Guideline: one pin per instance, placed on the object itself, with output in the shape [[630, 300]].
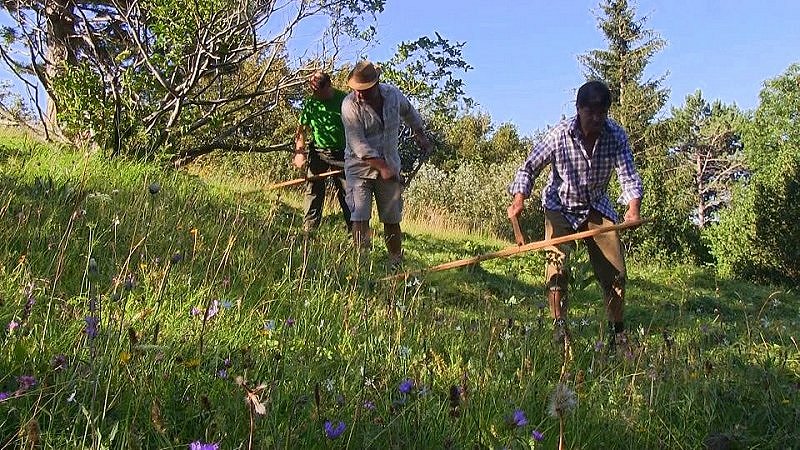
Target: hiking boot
[[395, 264]]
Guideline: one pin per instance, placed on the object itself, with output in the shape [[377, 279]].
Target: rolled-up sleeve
[[536, 161], [354, 132], [630, 183]]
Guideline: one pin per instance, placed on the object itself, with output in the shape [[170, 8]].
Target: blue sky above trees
[[524, 53]]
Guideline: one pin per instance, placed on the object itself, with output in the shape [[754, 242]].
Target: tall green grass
[[204, 297]]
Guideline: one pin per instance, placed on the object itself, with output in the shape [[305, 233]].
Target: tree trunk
[[60, 29], [701, 206]]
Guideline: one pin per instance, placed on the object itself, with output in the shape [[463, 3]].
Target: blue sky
[[524, 53]]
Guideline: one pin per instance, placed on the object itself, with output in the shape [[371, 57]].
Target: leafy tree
[[708, 143], [757, 236], [426, 70], [179, 76], [631, 46]]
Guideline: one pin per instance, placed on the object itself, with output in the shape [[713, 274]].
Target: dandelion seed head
[[563, 401]]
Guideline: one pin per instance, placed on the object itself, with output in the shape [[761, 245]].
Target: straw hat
[[363, 76]]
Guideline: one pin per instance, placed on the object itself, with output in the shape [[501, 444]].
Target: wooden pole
[[303, 180], [509, 251]]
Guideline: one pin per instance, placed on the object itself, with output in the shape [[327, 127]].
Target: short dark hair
[[594, 93], [324, 79]]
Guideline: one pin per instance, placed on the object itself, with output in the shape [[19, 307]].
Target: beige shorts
[[388, 197], [606, 253]]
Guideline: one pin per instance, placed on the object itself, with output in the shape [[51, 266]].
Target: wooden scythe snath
[[303, 180], [519, 248]]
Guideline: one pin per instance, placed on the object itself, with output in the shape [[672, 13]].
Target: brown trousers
[[605, 254]]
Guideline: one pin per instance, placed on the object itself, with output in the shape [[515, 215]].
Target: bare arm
[[300, 149]]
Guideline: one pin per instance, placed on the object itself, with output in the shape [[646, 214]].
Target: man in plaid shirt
[[582, 151]]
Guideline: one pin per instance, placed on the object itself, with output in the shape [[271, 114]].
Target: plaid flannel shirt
[[578, 183]]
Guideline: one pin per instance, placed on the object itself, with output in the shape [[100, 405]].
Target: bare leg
[[361, 236]]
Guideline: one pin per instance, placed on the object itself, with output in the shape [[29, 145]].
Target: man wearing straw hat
[[322, 119], [582, 152], [371, 115]]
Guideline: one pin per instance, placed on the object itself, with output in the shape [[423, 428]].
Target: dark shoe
[[395, 264]]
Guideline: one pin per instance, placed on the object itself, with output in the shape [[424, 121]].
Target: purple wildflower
[[406, 386], [4, 396], [222, 373], [598, 346], [13, 325], [369, 405], [195, 311], [518, 419], [197, 445], [537, 435], [213, 309], [226, 362], [91, 326], [289, 322], [26, 382], [333, 431]]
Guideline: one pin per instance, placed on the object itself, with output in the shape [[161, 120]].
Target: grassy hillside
[[150, 309]]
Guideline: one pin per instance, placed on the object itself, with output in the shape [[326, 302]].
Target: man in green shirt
[[323, 150]]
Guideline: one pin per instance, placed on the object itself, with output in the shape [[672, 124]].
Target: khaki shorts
[[605, 252], [388, 197]]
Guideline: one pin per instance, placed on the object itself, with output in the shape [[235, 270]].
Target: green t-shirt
[[324, 117]]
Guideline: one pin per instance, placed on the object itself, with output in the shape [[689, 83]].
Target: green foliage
[[426, 70], [174, 78], [757, 236], [473, 196], [706, 140]]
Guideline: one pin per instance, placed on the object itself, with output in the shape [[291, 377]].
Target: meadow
[[156, 309]]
